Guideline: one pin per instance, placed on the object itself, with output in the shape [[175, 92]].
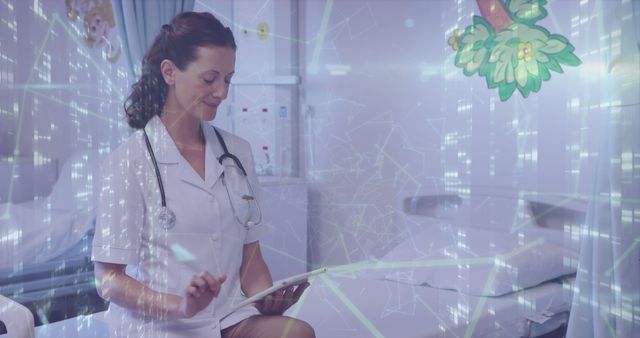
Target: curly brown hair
[[178, 42]]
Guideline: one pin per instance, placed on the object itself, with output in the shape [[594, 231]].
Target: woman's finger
[[278, 301], [198, 282], [259, 305], [191, 291], [220, 280], [267, 303], [299, 290], [212, 282], [288, 299], [218, 286]]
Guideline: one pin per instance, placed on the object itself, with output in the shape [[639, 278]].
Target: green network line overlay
[[499, 57]]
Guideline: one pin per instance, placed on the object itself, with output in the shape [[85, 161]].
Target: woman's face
[[204, 83]]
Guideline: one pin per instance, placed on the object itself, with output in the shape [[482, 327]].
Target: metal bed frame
[[58, 289]]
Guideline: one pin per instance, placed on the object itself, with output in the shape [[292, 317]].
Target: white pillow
[[475, 261], [568, 238], [36, 234], [78, 184]]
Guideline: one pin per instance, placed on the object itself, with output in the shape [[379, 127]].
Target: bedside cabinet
[[285, 248]]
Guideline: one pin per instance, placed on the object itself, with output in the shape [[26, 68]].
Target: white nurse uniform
[[206, 235]]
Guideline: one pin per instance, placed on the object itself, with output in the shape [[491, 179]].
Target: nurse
[[174, 250]]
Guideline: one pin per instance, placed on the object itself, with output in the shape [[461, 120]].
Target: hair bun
[[168, 28]]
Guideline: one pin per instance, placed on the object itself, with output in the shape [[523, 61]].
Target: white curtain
[[607, 295], [139, 21]]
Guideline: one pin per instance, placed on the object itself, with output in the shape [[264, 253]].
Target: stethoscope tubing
[[155, 167], [226, 154]]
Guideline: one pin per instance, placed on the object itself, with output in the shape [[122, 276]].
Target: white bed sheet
[[39, 230], [78, 327], [36, 234], [358, 307]]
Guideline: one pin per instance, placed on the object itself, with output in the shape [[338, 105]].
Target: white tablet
[[293, 280]]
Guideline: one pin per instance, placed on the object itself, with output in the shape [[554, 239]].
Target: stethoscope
[[167, 218]]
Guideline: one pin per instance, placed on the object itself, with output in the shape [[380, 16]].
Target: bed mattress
[[349, 306]]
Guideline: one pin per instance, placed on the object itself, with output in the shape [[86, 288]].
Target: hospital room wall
[[262, 105], [398, 119], [57, 96]]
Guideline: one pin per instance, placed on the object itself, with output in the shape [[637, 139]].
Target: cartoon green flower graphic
[[509, 50], [525, 51]]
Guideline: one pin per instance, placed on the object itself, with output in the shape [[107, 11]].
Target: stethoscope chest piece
[[166, 218]]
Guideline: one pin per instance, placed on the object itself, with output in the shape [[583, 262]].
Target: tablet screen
[[293, 280]]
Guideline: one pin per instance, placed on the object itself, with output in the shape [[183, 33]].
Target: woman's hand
[[278, 302], [200, 292]]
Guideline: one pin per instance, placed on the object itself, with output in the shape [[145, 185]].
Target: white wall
[[405, 121], [260, 64], [61, 96]]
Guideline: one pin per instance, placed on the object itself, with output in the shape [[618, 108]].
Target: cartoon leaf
[[472, 51], [542, 58], [519, 55], [510, 77], [478, 57], [500, 72], [567, 58], [523, 55], [465, 55], [527, 11], [544, 73], [537, 83], [554, 66], [521, 74], [506, 90], [532, 68], [553, 46]]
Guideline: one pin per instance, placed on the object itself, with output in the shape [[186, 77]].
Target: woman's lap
[[269, 327]]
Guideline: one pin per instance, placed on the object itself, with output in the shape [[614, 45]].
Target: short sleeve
[[120, 211], [257, 232]]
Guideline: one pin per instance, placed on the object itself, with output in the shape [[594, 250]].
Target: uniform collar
[[166, 152], [213, 169], [164, 148]]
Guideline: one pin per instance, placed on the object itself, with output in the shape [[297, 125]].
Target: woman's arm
[[113, 284], [254, 273], [255, 277]]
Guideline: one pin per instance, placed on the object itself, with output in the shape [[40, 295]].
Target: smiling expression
[[204, 84]]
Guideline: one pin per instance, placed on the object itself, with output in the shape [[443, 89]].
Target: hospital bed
[[360, 305], [353, 306], [46, 246], [438, 282], [57, 289], [457, 275], [49, 269]]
